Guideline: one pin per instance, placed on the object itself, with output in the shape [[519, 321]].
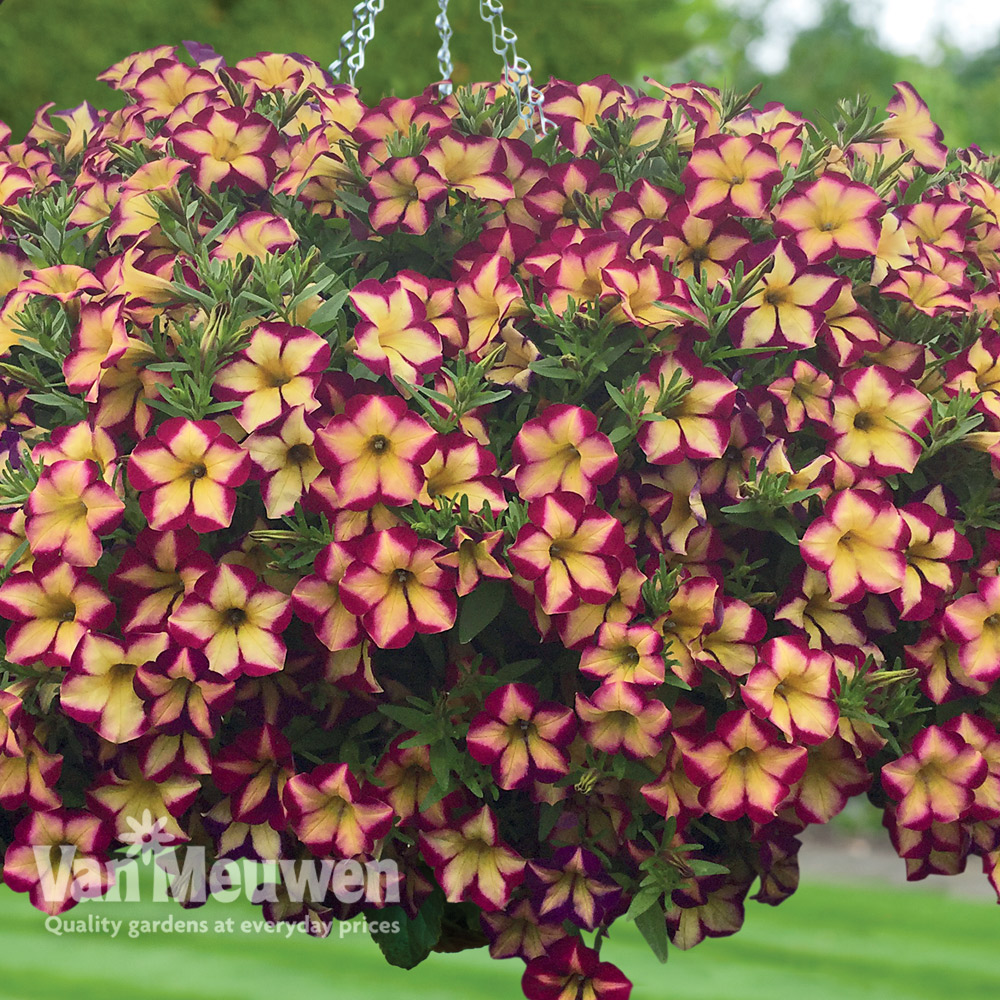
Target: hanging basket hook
[[516, 69]]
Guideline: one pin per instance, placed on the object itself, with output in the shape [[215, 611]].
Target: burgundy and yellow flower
[[571, 971], [236, 619], [231, 148], [622, 717], [280, 368], [833, 775], [393, 336], [831, 215], [730, 175], [475, 558], [58, 858], [285, 461], [562, 450], [154, 574], [572, 885], [488, 293], [68, 510], [805, 395], [330, 813], [316, 600], [397, 587], [253, 771], [936, 781], [256, 234], [973, 621], [471, 862], [570, 551], [462, 467], [29, 779], [520, 737], [910, 123], [695, 425], [182, 694], [875, 415], [696, 246], [187, 475], [51, 608], [98, 342], [789, 304], [625, 653], [167, 83], [98, 689], [375, 451], [859, 543], [405, 194], [743, 768], [794, 688], [932, 554], [122, 795]]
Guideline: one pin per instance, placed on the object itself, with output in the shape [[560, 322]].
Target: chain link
[[516, 69], [444, 53], [353, 42]]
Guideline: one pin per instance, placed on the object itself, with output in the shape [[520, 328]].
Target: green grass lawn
[[836, 942]]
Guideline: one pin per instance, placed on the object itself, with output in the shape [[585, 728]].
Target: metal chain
[[353, 42], [516, 69], [444, 53]]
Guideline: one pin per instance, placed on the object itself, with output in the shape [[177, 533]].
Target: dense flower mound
[[563, 523]]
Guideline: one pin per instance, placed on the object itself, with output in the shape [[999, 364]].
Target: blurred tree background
[[52, 51]]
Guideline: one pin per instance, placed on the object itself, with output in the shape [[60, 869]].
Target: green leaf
[[652, 924], [414, 940], [479, 608], [647, 896], [328, 311]]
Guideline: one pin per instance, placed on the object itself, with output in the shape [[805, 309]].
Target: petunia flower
[[393, 336], [471, 862], [58, 858], [622, 718], [98, 691], [562, 450], [279, 368], [730, 175], [397, 587], [571, 971], [573, 886], [374, 452], [794, 688], [330, 813], [187, 475], [237, 621], [253, 770], [68, 510], [936, 780], [973, 622], [230, 148], [743, 768], [520, 737], [284, 459], [831, 216], [405, 194], [51, 608], [570, 551], [625, 653], [858, 543], [875, 417]]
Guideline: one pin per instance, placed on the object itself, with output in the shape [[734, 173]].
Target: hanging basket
[[523, 510]]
